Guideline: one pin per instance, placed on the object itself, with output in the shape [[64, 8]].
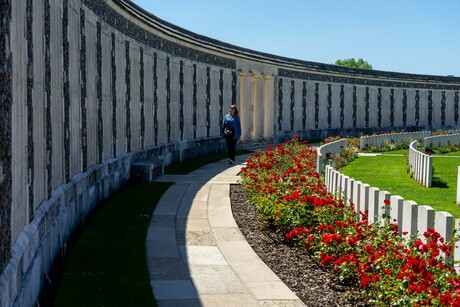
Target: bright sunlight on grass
[[188, 166], [388, 173]]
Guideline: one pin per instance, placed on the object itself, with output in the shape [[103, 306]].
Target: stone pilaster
[[269, 108], [258, 107], [245, 106]]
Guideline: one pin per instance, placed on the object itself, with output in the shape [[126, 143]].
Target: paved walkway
[[196, 253]]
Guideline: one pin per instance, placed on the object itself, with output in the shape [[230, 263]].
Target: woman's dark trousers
[[231, 148]]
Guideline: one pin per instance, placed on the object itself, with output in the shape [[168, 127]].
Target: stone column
[[245, 106], [269, 109], [258, 108]]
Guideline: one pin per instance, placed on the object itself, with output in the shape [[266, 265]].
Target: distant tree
[[360, 63]]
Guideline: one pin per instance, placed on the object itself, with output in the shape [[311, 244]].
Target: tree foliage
[[360, 63]]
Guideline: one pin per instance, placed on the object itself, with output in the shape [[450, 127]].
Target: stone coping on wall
[[253, 55]]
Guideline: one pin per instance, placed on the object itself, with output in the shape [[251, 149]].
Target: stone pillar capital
[[245, 74], [268, 76]]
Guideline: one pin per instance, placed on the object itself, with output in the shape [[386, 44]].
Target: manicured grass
[[188, 166], [388, 173], [107, 265]]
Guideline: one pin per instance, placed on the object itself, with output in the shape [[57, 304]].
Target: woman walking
[[231, 131]]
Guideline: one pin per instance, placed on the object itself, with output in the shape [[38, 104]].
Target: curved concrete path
[[196, 253]]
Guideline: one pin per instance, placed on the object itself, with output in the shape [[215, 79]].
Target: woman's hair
[[233, 106]]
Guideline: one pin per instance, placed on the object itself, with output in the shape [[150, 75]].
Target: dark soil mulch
[[312, 283]]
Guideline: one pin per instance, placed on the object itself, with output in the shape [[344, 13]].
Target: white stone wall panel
[[174, 102], [188, 101], [360, 107], [411, 111], [423, 108], [91, 95], [335, 107], [161, 90], [386, 108], [135, 103], [214, 102], [107, 110], [348, 106], [450, 109], [323, 112], [436, 108], [201, 101], [120, 63], [149, 134], [310, 105], [38, 101], [373, 107], [398, 107], [20, 200]]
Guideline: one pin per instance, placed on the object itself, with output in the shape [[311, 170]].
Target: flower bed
[[288, 193]]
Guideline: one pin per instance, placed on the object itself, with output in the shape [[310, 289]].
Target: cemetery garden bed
[[312, 283]]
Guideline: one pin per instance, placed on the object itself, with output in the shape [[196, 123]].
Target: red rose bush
[[393, 271]]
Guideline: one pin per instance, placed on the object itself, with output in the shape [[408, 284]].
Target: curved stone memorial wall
[[90, 86]]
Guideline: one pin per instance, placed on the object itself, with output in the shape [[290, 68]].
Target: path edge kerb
[[250, 281]]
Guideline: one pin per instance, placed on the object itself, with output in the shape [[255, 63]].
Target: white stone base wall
[[57, 218]]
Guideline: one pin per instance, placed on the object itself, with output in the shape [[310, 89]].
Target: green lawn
[[188, 166], [388, 173], [107, 265]]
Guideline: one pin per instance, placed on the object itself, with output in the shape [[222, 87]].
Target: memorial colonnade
[[257, 107]]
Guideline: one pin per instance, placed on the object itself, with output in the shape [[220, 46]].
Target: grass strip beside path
[[107, 266], [188, 166], [388, 173]]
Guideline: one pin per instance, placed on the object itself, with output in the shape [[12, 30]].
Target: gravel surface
[[313, 284]]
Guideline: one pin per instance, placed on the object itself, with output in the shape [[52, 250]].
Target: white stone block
[[458, 185], [327, 174], [444, 225], [350, 190], [429, 169], [344, 187], [425, 220], [409, 224], [396, 205], [356, 194], [334, 182], [373, 214], [338, 185], [383, 209], [363, 204], [457, 248]]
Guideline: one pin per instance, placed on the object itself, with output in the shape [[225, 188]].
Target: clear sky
[[411, 36]]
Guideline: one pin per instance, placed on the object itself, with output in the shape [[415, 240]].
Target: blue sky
[[411, 36]]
